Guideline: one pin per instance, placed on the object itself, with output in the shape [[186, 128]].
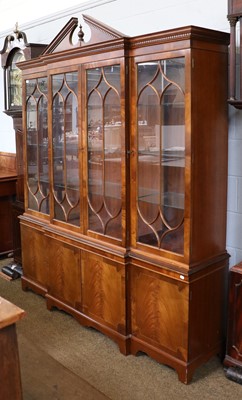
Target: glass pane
[[57, 83], [112, 75], [93, 78], [43, 145], [72, 166], [161, 153], [104, 151], [173, 145], [147, 73], [30, 87], [112, 144], [42, 85], [15, 81], [172, 71], [37, 146], [72, 82], [65, 148], [148, 155], [95, 151], [32, 157]]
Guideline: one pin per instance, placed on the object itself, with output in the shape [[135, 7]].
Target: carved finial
[[80, 34], [18, 33], [16, 28]]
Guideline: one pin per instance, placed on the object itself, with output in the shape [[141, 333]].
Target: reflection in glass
[[37, 145], [66, 186], [161, 153], [104, 150]]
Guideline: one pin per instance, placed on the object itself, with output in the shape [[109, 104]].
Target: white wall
[[41, 24]]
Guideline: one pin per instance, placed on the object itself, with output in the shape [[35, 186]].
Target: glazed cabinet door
[[106, 155], [52, 151], [159, 143], [65, 148], [37, 161]]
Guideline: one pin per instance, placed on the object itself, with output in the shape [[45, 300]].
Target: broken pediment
[[90, 32]]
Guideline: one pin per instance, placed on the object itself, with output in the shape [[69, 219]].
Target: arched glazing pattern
[[37, 145], [104, 151], [66, 185], [161, 154]]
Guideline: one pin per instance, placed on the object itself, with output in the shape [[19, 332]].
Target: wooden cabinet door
[[103, 287], [64, 273], [159, 311], [35, 258]]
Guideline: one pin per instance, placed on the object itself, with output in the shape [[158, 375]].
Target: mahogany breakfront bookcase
[[125, 187]]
